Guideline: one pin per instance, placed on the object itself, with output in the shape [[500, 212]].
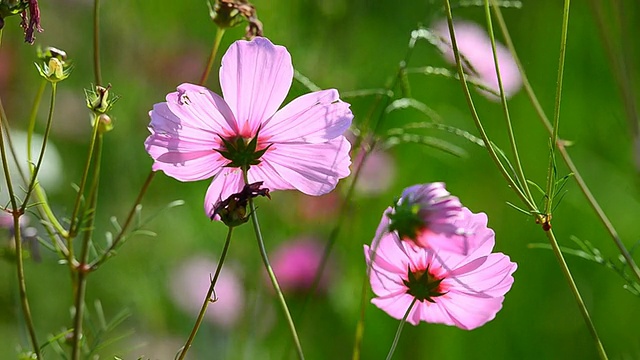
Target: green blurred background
[[150, 47]]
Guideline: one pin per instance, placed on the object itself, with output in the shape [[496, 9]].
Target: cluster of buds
[[99, 101], [29, 14], [229, 13]]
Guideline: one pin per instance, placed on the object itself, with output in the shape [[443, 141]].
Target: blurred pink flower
[[296, 262], [461, 290], [377, 173], [197, 134], [189, 285], [427, 215], [474, 44]]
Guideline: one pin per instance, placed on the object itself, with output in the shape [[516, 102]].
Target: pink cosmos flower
[[427, 215], [197, 134], [475, 46], [295, 264], [189, 286], [460, 290]]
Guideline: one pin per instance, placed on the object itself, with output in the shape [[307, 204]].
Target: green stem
[[576, 293], [96, 42], [212, 55], [32, 119], [272, 275], [399, 331], [22, 285], [208, 298], [503, 98], [34, 175], [561, 148], [556, 113], [73, 227], [121, 235], [492, 153], [357, 344], [82, 269]]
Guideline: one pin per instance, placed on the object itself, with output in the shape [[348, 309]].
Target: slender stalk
[[503, 98], [272, 275], [32, 118], [357, 344], [36, 169], [121, 235], [73, 227], [576, 294], [492, 153], [399, 331], [556, 113], [96, 42], [82, 269], [22, 285], [212, 55], [208, 298], [561, 148]]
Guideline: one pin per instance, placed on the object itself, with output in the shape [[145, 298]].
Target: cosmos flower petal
[[313, 169], [315, 117], [491, 278], [469, 312], [201, 108], [396, 306], [255, 77], [227, 182]]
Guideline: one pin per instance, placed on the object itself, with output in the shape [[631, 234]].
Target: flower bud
[[54, 70], [104, 123], [233, 210], [230, 13], [98, 100]]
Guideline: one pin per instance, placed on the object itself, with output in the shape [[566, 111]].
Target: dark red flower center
[[423, 285], [242, 152]]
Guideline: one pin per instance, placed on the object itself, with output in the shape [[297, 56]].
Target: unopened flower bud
[[98, 100], [233, 210], [229, 13], [104, 123], [54, 70]]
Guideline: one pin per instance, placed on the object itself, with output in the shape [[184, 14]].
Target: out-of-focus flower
[[196, 134], [296, 262], [465, 291], [50, 174], [426, 215], [28, 234], [190, 284], [377, 173], [475, 46], [317, 209]]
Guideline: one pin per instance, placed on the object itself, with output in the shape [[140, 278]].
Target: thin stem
[[272, 275], [556, 112], [492, 153], [208, 298], [576, 293], [22, 285], [503, 98], [121, 235], [96, 42], [212, 55], [561, 148], [32, 118], [399, 331], [73, 227], [34, 175], [83, 269], [357, 344]]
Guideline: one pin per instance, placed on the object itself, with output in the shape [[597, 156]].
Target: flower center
[[241, 151], [423, 285], [406, 220]]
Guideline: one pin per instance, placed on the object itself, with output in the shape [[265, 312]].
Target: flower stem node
[[233, 210]]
